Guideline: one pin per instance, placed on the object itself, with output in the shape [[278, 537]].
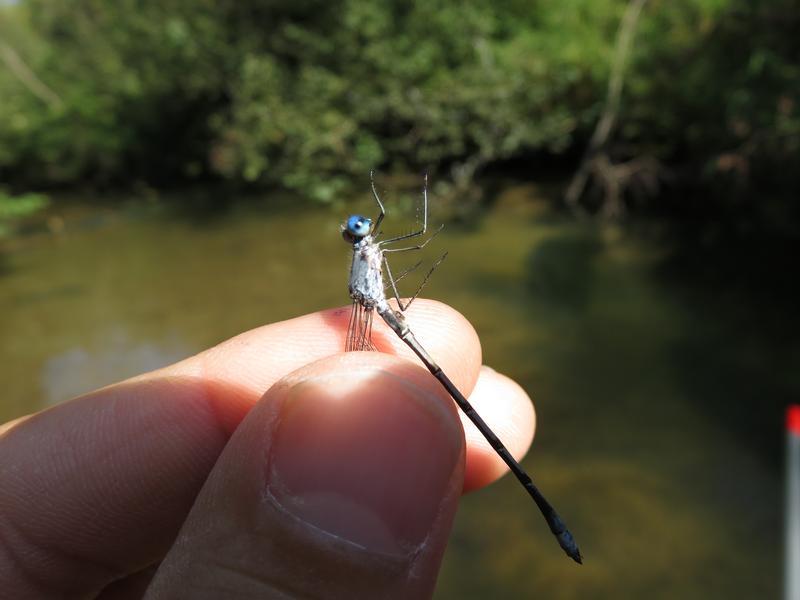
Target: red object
[[793, 419]]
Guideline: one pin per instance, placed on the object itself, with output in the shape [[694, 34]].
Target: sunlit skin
[[95, 490]]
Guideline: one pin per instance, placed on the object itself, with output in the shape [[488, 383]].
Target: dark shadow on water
[[199, 207], [747, 399], [209, 206], [5, 265], [60, 292], [559, 270], [737, 277]]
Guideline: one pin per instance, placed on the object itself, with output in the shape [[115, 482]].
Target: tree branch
[[28, 78], [610, 114]]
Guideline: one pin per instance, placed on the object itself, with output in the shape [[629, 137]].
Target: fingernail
[[366, 457]]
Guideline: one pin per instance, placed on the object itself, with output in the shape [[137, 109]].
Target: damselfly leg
[[393, 281], [413, 233], [382, 212]]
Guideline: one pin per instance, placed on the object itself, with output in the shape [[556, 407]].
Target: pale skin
[[243, 471]]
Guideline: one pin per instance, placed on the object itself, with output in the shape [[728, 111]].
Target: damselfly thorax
[[366, 275]]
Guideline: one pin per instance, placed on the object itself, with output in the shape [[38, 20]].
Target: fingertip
[[448, 337]]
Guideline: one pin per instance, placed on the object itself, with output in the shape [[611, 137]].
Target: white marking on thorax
[[366, 274]]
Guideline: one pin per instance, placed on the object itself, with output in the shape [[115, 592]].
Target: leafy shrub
[[309, 95]]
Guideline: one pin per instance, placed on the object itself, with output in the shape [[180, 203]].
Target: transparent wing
[[359, 330]]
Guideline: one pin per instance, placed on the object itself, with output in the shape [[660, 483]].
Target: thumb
[[342, 482]]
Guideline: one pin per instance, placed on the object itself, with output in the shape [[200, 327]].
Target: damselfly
[[367, 289]]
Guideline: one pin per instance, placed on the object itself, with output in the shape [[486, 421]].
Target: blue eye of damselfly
[[358, 226]]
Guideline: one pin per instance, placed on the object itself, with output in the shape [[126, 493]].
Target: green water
[[659, 402]]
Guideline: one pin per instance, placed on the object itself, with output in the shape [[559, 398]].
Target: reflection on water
[[114, 357], [658, 420]]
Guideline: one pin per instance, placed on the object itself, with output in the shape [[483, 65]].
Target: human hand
[[341, 481]]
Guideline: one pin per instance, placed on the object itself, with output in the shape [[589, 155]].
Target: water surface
[[658, 403]]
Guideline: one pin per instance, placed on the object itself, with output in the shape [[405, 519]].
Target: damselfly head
[[355, 228]]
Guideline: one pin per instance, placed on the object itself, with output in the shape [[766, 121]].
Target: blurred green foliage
[[14, 209], [720, 92], [308, 95]]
